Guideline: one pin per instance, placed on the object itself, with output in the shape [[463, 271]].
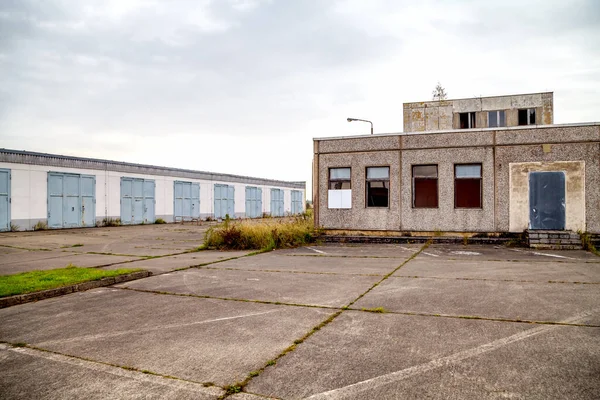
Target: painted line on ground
[[553, 255], [315, 250], [382, 380], [429, 254]]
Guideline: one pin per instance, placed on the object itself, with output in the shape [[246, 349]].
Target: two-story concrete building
[[492, 164]]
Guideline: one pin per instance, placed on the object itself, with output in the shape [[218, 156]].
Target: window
[[378, 186], [527, 116], [425, 186], [467, 186], [467, 120], [339, 178], [340, 193], [496, 119]]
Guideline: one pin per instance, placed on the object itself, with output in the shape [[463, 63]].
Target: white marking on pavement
[[150, 329], [318, 251], [393, 377], [430, 254], [553, 255], [466, 253], [116, 371]]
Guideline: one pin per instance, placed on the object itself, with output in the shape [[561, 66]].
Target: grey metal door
[[277, 202], [55, 200], [231, 201], [195, 200], [88, 200], [547, 200], [253, 202], [224, 201], [71, 201], [149, 201], [4, 199], [138, 201], [126, 201]]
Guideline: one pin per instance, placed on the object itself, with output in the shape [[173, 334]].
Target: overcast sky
[[242, 86]]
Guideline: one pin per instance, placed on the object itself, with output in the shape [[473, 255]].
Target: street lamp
[[362, 120]]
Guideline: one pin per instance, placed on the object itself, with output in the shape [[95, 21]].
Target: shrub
[[108, 221], [40, 226], [14, 227], [261, 235], [160, 221]]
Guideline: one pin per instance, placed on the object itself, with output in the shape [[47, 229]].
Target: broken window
[[527, 116], [467, 120], [467, 186], [339, 178], [378, 186], [425, 186], [496, 119], [340, 193]]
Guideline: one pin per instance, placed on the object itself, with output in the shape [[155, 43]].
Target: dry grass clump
[[263, 235]]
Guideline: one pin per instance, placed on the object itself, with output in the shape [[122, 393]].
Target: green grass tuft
[[35, 281], [160, 221]]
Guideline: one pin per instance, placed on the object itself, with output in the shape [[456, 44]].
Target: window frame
[[330, 181], [437, 185], [497, 112], [367, 180], [472, 122], [480, 186], [527, 111]]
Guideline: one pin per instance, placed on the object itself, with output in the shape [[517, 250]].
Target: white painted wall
[[29, 192]]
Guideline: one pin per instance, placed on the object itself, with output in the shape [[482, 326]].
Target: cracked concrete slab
[[61, 260], [311, 289], [170, 263], [203, 340], [502, 270], [490, 299], [277, 261], [357, 250], [502, 253]]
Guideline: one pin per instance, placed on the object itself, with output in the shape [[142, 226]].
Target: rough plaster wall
[[495, 103], [366, 143], [359, 216], [446, 217], [586, 152], [574, 188], [432, 118], [548, 134], [454, 139], [547, 109], [445, 114]]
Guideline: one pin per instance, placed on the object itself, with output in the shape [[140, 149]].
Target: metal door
[[55, 200], [187, 200], [547, 200], [276, 202], [138, 201], [195, 200], [71, 201], [4, 199], [88, 200], [224, 201], [126, 201], [149, 201], [231, 201], [250, 202]]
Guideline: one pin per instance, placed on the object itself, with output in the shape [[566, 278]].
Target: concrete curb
[[80, 287]]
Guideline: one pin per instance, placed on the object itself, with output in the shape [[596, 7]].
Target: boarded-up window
[[527, 116], [339, 178], [467, 120], [425, 186], [378, 186], [496, 119], [467, 186]]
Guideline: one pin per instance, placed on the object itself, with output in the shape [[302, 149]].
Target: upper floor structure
[[479, 112]]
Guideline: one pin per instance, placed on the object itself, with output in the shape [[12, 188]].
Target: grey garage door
[[224, 201], [187, 200], [71, 200], [4, 199], [277, 203], [297, 206], [253, 202], [137, 201]]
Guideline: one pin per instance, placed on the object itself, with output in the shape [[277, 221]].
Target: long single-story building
[[65, 192], [493, 165]]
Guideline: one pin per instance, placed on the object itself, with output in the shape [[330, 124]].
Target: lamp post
[[362, 120]]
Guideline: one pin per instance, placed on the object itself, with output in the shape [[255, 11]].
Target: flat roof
[[57, 160], [508, 128], [479, 97]]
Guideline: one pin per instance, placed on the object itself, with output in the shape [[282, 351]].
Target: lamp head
[[350, 119]]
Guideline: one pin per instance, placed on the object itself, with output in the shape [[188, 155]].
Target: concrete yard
[[319, 322]]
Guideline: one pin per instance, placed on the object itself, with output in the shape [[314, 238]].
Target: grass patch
[[160, 221], [72, 245], [35, 281], [40, 226], [379, 310], [108, 221], [261, 235]]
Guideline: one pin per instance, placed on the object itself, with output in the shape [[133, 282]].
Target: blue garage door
[[224, 201], [297, 203], [4, 199], [547, 200], [277, 209], [71, 200], [137, 201], [253, 202], [187, 201]]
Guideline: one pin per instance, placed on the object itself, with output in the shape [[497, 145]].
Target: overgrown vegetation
[[160, 221], [40, 226], [14, 227], [261, 235], [587, 244], [108, 221], [34, 281]]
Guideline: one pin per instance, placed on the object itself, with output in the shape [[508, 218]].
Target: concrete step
[[565, 240]]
